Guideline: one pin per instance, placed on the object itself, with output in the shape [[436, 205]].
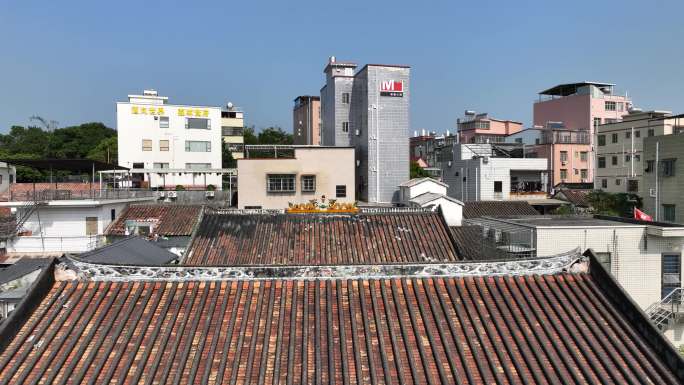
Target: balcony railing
[[565, 137], [94, 194], [231, 131]]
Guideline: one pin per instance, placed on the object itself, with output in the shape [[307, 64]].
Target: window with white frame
[[308, 183], [280, 183], [164, 145], [197, 146], [163, 122], [197, 123], [345, 98], [671, 271], [345, 126], [147, 144], [610, 106]]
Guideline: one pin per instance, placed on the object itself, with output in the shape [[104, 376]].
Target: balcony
[[231, 131], [93, 194], [565, 137]]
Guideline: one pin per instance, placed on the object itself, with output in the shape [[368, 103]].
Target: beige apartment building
[[232, 126], [619, 149], [306, 120], [272, 177], [663, 196]]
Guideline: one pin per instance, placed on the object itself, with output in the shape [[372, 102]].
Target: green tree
[[249, 136], [227, 159], [620, 204], [416, 171], [106, 151], [274, 135]]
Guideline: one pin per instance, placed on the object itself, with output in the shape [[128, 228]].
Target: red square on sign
[[398, 87], [391, 86]]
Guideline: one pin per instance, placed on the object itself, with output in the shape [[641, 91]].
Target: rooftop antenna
[[49, 126]]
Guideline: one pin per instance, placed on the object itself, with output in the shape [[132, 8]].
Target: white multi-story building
[[8, 174], [477, 172], [169, 145]]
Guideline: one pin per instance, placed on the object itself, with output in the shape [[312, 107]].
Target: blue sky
[[70, 61]]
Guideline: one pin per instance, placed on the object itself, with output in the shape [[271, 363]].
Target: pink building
[[568, 153], [480, 128], [579, 106]]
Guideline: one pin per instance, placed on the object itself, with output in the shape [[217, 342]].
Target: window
[[197, 146], [610, 106], [345, 126], [621, 106], [308, 183], [584, 173], [281, 183], [604, 183], [628, 134], [147, 144], [345, 98], [637, 158], [668, 167], [498, 186], [628, 158], [649, 166], [601, 140], [669, 213], [160, 165], [584, 156], [576, 171], [518, 140], [597, 121], [601, 162], [609, 120], [198, 166], [91, 225], [139, 165], [633, 185], [637, 134], [604, 260], [11, 179], [671, 271], [563, 174], [651, 132], [614, 160], [163, 145], [614, 138], [618, 181], [564, 156], [341, 191], [0, 179], [163, 122], [112, 214], [197, 123]]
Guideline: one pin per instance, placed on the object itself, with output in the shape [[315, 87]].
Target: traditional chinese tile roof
[[561, 328], [168, 219], [576, 197], [130, 251], [478, 209], [321, 239]]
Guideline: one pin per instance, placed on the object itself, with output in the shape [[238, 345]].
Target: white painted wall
[[427, 185], [133, 128], [451, 211], [8, 174]]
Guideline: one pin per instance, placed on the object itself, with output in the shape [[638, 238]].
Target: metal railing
[[668, 309], [58, 194], [231, 131]]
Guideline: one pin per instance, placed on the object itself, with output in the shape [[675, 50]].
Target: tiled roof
[[169, 219], [22, 268], [471, 244], [320, 239], [576, 197], [130, 251], [516, 329], [477, 209]]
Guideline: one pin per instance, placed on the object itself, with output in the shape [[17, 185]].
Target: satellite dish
[[229, 105]]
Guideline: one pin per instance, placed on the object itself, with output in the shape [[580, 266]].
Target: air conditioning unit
[[209, 194], [652, 192], [172, 194], [485, 159], [161, 194]]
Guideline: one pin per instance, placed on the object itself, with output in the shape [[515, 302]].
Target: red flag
[[642, 216]]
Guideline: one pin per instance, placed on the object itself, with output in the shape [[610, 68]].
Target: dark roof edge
[[635, 316], [454, 244], [188, 249], [39, 288]]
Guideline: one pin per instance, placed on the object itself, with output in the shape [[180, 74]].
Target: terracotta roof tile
[[169, 219], [530, 329], [320, 239]]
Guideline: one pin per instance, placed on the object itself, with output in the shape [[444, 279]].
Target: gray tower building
[[369, 110]]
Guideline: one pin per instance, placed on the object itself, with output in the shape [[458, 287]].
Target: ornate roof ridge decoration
[[538, 266], [314, 206]]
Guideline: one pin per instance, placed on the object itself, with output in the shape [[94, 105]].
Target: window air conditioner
[[652, 192]]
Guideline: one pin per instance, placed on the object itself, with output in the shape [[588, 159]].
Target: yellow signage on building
[[139, 110], [193, 112]]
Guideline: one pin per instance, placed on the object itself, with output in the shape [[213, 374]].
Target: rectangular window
[[637, 134], [11, 178], [614, 138], [345, 98], [163, 122], [637, 158], [197, 123], [345, 126], [621, 106], [668, 167], [632, 185], [597, 122], [160, 165], [197, 146], [671, 271], [604, 183], [163, 145], [584, 173], [147, 144], [0, 179], [601, 140], [614, 160], [669, 213], [610, 106], [281, 183], [198, 166], [564, 156], [601, 162], [628, 134], [618, 182], [112, 214], [341, 191], [604, 260], [91, 225], [651, 132], [628, 158], [498, 186], [563, 174], [308, 183], [584, 156], [649, 166], [609, 120]]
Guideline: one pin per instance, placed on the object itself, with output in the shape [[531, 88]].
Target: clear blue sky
[[70, 60]]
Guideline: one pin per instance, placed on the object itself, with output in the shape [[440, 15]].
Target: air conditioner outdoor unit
[[172, 194], [209, 194], [485, 160], [161, 195], [652, 192]]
